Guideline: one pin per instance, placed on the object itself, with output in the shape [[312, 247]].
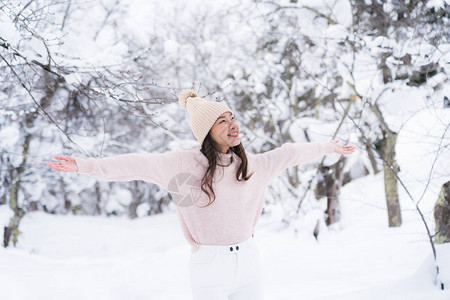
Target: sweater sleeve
[[158, 168], [271, 163]]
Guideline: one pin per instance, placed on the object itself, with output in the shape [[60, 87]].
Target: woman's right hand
[[65, 164]]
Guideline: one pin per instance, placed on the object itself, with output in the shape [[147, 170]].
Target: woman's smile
[[234, 134]]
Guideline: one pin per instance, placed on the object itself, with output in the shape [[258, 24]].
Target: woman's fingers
[[66, 164], [343, 149], [65, 158], [53, 166], [348, 149]]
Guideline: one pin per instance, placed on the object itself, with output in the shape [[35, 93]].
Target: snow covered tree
[[54, 102], [396, 25]]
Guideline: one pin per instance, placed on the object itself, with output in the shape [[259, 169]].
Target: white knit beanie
[[202, 113]]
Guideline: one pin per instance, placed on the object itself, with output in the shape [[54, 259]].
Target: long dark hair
[[211, 150]]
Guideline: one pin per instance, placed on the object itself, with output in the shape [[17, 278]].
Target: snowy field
[[79, 257]]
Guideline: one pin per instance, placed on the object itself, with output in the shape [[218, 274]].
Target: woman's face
[[225, 132]]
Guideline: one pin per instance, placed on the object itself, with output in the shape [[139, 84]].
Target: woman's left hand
[[342, 149]]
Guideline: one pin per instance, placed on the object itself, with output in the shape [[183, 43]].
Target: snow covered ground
[[79, 257]]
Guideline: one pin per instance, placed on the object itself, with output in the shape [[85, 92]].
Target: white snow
[[9, 136]]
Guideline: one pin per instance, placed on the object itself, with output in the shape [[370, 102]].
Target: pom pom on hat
[[185, 94]]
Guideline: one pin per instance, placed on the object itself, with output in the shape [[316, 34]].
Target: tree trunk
[[390, 170], [390, 180], [387, 75], [372, 159], [333, 177], [15, 173], [12, 230], [138, 196], [442, 215]]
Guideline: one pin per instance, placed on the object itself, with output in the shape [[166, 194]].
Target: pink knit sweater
[[232, 217]]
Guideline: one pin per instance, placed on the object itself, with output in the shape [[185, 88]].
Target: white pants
[[226, 272]]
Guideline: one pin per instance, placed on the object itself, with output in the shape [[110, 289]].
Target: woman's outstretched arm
[[157, 168], [273, 162]]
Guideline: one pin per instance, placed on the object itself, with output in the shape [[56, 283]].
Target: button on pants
[[226, 272]]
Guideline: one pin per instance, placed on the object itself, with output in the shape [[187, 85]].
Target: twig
[[20, 12], [434, 162]]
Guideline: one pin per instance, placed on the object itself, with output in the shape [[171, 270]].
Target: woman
[[218, 192]]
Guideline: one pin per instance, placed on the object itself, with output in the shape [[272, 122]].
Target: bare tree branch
[[39, 106]]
